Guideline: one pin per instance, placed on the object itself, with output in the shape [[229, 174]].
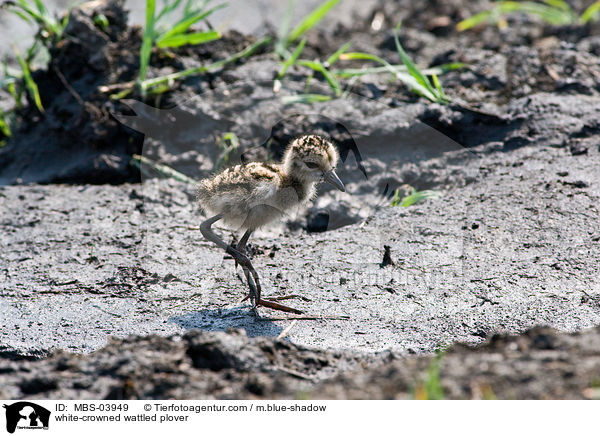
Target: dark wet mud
[[539, 364], [89, 253]]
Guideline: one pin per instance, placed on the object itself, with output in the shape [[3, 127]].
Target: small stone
[[578, 149]]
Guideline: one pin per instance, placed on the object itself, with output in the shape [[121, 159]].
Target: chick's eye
[[311, 165]]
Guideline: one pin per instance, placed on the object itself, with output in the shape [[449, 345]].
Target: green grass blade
[[401, 68], [185, 23], [4, 125], [319, 67], [552, 15], [334, 57], [41, 15], [473, 21], [168, 9], [437, 83], [555, 12], [41, 8], [413, 197], [450, 66], [354, 56], [21, 15], [188, 38], [64, 23], [433, 383], [418, 196], [559, 4], [189, 9], [7, 81], [248, 51], [311, 20], [404, 77], [29, 10], [148, 85], [102, 22], [410, 65], [229, 144], [162, 169], [396, 198], [281, 42], [591, 13], [285, 23], [305, 98], [31, 52], [148, 39], [30, 84], [292, 59], [346, 73], [547, 13]]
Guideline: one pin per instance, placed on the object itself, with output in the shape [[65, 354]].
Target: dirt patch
[[540, 364], [512, 248]]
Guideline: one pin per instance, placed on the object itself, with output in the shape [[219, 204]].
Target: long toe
[[288, 297], [277, 306]]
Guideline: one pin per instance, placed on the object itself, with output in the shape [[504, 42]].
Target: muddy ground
[[539, 364], [90, 253]]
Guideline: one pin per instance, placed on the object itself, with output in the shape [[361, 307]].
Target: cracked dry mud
[[512, 243]]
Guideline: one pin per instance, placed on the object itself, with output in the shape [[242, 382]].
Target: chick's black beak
[[332, 177]]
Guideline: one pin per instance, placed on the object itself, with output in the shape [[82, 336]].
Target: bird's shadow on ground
[[222, 319]]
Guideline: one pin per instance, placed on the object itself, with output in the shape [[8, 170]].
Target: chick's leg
[[249, 271], [242, 259], [241, 247]]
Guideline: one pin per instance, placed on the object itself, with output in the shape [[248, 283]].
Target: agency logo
[[26, 415]]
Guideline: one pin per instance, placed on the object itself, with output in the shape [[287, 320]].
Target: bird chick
[[251, 195]]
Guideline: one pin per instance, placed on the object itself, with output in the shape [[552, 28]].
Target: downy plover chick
[[249, 196]]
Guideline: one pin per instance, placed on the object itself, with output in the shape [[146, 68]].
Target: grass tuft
[[4, 125], [229, 145], [420, 83], [284, 40], [165, 83], [311, 20], [413, 197], [30, 85], [178, 35], [51, 29], [431, 388], [147, 39], [317, 66], [591, 13], [399, 69], [287, 64], [408, 73], [553, 12], [156, 34]]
